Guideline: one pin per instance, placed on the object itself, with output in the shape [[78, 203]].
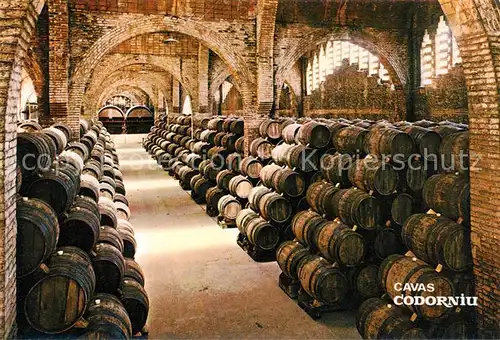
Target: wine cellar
[[249, 169]]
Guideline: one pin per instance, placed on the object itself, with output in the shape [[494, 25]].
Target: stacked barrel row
[[375, 180], [205, 164], [75, 245]]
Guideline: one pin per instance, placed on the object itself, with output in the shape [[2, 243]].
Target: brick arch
[[387, 55], [133, 93], [33, 67], [115, 62], [476, 26], [219, 79], [93, 99], [113, 89], [127, 30]]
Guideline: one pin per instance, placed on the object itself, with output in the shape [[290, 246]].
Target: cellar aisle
[[200, 283]]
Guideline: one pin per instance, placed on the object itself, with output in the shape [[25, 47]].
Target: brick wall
[[476, 25], [17, 27]]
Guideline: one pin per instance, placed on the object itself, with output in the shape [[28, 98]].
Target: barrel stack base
[[290, 286], [316, 309], [257, 254], [224, 223]]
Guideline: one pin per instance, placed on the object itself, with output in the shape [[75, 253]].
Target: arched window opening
[[327, 58], [28, 101], [439, 52]]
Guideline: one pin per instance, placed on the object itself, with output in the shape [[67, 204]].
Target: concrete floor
[[200, 283]]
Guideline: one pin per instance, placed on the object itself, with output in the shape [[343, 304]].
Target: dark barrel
[[212, 198], [322, 281], [401, 269], [319, 196], [454, 150], [427, 142], [387, 141], [276, 208], [127, 234], [334, 168], [37, 234], [378, 319], [371, 174], [109, 267], [261, 148], [262, 234], [57, 300], [270, 129], [305, 225], [251, 167], [314, 134], [81, 227], [111, 236], [288, 255], [107, 318], [303, 158], [448, 194], [350, 139], [338, 243], [255, 195], [438, 240], [224, 177], [229, 207], [364, 279], [289, 182], [356, 207], [134, 271], [135, 300], [402, 207]]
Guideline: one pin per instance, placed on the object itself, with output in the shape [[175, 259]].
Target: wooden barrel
[[387, 141], [378, 319], [243, 218], [322, 281], [135, 300], [37, 234], [107, 318], [319, 196], [446, 130], [338, 243], [224, 177], [438, 240], [233, 161], [288, 182], [201, 187], [387, 241], [93, 168], [89, 186], [427, 142], [314, 135], [251, 167], [237, 126], [229, 207], [356, 207], [133, 271], [68, 132], [212, 198], [111, 236], [240, 186], [109, 267], [127, 234], [289, 133], [262, 234], [402, 207], [270, 129], [334, 168], [80, 228], [33, 153], [414, 176], [276, 208], [261, 148], [455, 152], [350, 140], [58, 137], [401, 270], [267, 174], [208, 169], [30, 126], [288, 256], [303, 158], [371, 174], [449, 195], [57, 190], [121, 198], [255, 195], [461, 328], [279, 154], [305, 225], [239, 145], [57, 300], [108, 212], [364, 279]]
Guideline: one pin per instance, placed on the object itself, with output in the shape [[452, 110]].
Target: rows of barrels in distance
[[356, 210], [75, 244], [209, 163]]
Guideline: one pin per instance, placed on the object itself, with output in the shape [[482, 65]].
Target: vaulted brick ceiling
[[363, 13], [154, 43], [196, 9]]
